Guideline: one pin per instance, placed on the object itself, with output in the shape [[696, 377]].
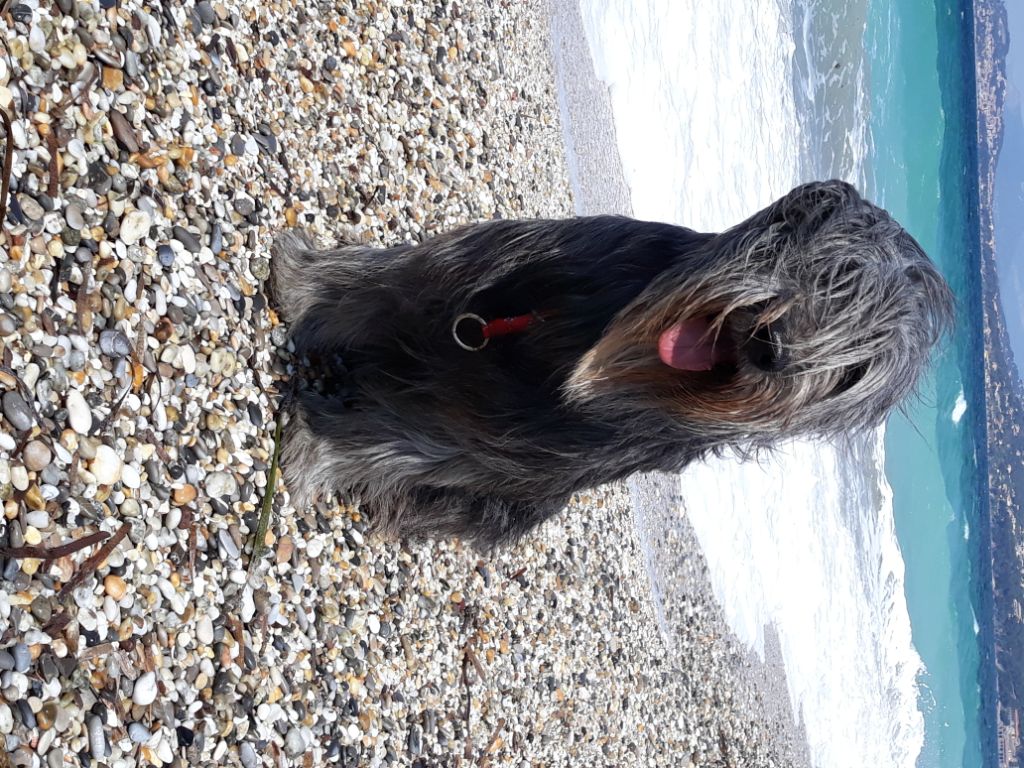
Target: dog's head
[[815, 315]]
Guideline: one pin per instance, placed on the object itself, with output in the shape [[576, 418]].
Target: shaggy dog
[[492, 371]]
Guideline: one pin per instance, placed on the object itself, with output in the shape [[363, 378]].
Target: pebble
[[115, 586], [138, 733], [294, 744], [145, 690], [206, 13], [74, 217], [185, 495], [107, 465], [97, 738], [79, 413], [17, 411], [134, 226], [220, 484], [22, 657], [115, 344], [247, 755], [33, 210], [130, 477], [187, 239], [36, 455], [204, 630]]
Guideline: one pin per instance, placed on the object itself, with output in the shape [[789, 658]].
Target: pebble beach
[[155, 150]]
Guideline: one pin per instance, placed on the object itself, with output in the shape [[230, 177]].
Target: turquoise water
[[922, 167]]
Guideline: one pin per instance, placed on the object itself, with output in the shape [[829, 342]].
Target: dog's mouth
[[692, 345], [696, 345]]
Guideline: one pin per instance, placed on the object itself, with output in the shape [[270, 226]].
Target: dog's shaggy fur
[[658, 346]]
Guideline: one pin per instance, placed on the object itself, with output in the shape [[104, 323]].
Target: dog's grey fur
[[434, 440]]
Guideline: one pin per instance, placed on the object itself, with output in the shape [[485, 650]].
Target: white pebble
[[204, 630], [145, 690], [97, 740], [220, 484], [106, 467], [79, 414], [19, 477], [38, 519], [187, 358], [130, 476], [134, 226], [37, 39], [314, 548]]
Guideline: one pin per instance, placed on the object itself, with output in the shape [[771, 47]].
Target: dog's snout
[[766, 348]]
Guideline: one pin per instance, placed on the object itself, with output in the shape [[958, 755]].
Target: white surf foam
[[959, 408]]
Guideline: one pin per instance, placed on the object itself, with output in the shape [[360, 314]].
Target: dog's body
[[646, 346]]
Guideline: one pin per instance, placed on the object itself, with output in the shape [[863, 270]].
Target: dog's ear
[[808, 207], [803, 210]]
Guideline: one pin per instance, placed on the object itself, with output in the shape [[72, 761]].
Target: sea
[[863, 556]]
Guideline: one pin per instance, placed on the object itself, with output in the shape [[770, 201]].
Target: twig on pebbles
[[92, 562], [114, 410], [492, 744], [52, 553], [53, 188], [469, 658], [260, 542]]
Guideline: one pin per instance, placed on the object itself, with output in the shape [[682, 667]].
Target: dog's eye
[[851, 378], [766, 348]]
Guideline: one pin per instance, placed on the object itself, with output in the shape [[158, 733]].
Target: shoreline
[[144, 368]]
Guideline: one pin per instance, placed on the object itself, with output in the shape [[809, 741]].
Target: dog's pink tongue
[[688, 346]]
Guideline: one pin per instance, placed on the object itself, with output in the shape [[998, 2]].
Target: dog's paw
[[292, 273]]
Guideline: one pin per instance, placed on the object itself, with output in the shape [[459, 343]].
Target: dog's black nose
[[766, 349]]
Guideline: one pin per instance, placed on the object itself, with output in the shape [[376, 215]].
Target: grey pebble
[[17, 411], [248, 755], [115, 344], [267, 143], [165, 254], [8, 325], [238, 144], [6, 660], [22, 657], [28, 717], [228, 543], [294, 744], [42, 609], [244, 206], [216, 239], [415, 740], [138, 733], [31, 208], [74, 216], [186, 238], [206, 13]]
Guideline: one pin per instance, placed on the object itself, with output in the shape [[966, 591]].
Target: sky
[[1009, 195]]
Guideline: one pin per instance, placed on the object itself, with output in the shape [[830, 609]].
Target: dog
[[491, 372]]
